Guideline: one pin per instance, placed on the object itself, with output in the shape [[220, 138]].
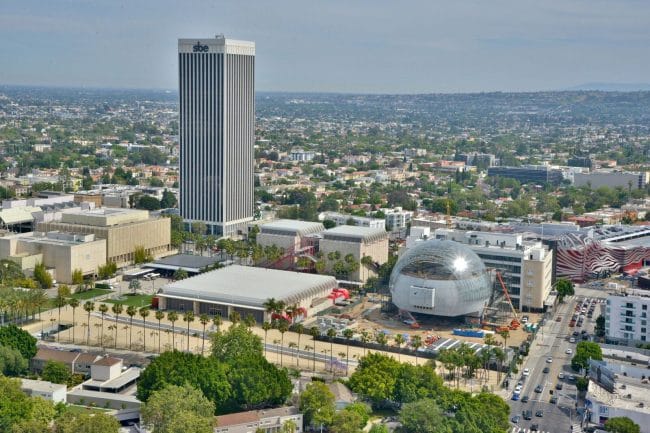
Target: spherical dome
[[442, 278]]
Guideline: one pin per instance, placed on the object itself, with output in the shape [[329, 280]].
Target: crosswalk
[[575, 428], [527, 430]]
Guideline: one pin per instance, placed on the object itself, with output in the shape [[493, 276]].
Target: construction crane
[[515, 322]]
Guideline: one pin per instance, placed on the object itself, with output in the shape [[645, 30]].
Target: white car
[[518, 388], [526, 372], [569, 351], [560, 376], [572, 340], [549, 360]]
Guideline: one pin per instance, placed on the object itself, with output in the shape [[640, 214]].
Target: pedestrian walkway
[[527, 430]]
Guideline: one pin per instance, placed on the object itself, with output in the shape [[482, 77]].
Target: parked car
[[524, 399], [515, 419], [539, 413], [538, 389]]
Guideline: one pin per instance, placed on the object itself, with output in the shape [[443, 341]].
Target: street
[[549, 350]]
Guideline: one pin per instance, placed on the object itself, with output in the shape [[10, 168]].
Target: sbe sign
[[198, 48]]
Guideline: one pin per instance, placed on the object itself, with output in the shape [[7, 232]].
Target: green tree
[[378, 428], [317, 405], [237, 342], [621, 424], [179, 409], [16, 338], [180, 274], [87, 423], [103, 309], [189, 318], [15, 405], [144, 312], [586, 350], [89, 307], [43, 277], [375, 378], [204, 319], [600, 326], [345, 421], [422, 416], [131, 311], [117, 309], [74, 304], [362, 410], [56, 372], [77, 276], [141, 255], [12, 362], [564, 288], [107, 270], [172, 316]]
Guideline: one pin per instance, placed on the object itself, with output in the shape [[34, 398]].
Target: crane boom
[[505, 292]]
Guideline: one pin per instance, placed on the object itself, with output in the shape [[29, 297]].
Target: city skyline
[[337, 47]]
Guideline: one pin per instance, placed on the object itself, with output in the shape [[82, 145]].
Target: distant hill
[[613, 87]]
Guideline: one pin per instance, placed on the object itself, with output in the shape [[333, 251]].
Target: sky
[[350, 46]]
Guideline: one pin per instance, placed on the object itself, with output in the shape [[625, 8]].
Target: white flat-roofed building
[[397, 219], [343, 219], [288, 234], [298, 154], [245, 290], [611, 179], [618, 389], [527, 267], [267, 421], [359, 242], [626, 319], [54, 392]]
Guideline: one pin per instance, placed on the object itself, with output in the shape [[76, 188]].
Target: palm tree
[[144, 312], [266, 326], [365, 339], [314, 332], [382, 340], [204, 319], [217, 320], [159, 316], [189, 318], [234, 317], [416, 342], [89, 306], [348, 334], [293, 345], [103, 308], [505, 334], [399, 340], [172, 316], [74, 303], [331, 333], [500, 356], [283, 327], [298, 329], [131, 311], [61, 301], [117, 309], [98, 325], [249, 320]]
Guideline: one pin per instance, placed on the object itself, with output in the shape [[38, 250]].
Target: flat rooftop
[[103, 217], [183, 261], [248, 286], [294, 227], [355, 233], [41, 385]]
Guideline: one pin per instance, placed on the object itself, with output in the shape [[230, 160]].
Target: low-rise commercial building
[[529, 173], [359, 221], [527, 266], [267, 421], [617, 389], [360, 242], [397, 219], [626, 319], [291, 235], [611, 179], [53, 392], [61, 253], [245, 290], [123, 229]]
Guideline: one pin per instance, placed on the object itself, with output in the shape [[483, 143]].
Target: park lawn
[[92, 293], [134, 300]]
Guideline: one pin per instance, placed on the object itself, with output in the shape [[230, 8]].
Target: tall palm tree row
[[159, 316], [74, 303], [117, 309], [89, 307], [189, 318], [131, 311]]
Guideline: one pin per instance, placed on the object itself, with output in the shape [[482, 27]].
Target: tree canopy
[[586, 350], [14, 337], [179, 409], [317, 404], [621, 424]]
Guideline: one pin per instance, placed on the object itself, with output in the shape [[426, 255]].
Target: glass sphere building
[[440, 278]]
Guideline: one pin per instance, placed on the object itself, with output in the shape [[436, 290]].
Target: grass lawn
[[75, 409], [135, 300], [90, 294]]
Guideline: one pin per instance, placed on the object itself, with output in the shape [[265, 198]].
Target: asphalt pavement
[[549, 350]]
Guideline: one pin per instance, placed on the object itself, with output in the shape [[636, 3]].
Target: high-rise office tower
[[217, 126]]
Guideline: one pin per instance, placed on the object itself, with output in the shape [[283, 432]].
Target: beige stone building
[[123, 229], [61, 253], [360, 242], [291, 235]]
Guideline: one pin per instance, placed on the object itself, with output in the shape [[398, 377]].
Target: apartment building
[[626, 319]]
